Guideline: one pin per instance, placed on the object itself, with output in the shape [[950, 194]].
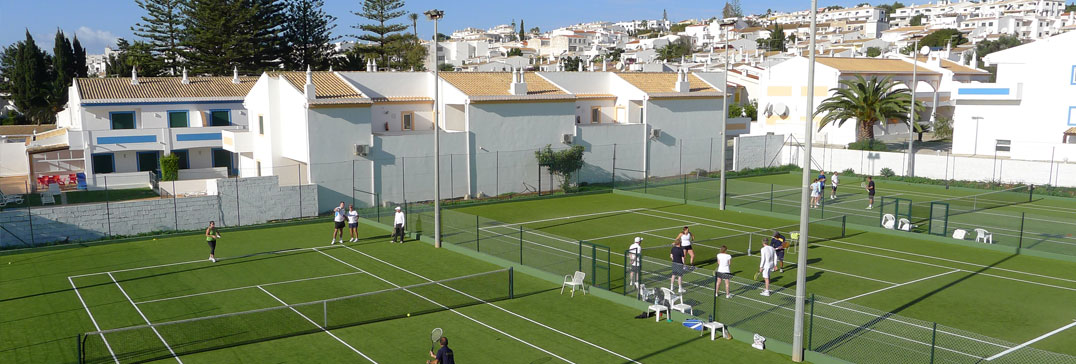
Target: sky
[[99, 23]]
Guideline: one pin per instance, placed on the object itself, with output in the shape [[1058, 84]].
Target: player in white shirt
[[685, 243], [833, 184], [635, 256], [723, 272], [353, 223], [338, 223], [816, 194], [768, 264], [398, 225]]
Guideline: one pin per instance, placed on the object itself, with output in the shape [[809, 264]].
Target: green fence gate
[[594, 261], [899, 207], [939, 219]]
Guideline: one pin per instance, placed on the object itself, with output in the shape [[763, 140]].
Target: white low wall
[[203, 173], [194, 187], [118, 180]]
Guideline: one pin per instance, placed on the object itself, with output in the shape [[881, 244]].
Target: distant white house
[[1029, 112]]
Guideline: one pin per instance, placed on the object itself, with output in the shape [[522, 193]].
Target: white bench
[[714, 326]]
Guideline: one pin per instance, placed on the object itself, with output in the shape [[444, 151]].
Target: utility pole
[[801, 253], [436, 15]]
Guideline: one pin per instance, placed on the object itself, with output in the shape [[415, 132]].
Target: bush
[[942, 128], [870, 144], [886, 172], [170, 167], [848, 172], [759, 171]]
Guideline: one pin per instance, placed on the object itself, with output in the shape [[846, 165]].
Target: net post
[[511, 283], [520, 244], [933, 338], [1020, 243], [822, 202], [377, 209], [477, 233], [683, 181], [810, 326], [750, 237], [593, 264], [325, 312], [1030, 192], [78, 346], [771, 197], [626, 268]]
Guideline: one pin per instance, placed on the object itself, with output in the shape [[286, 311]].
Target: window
[[148, 161], [104, 163], [220, 117], [184, 158], [1003, 145], [178, 119], [222, 158], [122, 119], [261, 125], [407, 120], [595, 115]]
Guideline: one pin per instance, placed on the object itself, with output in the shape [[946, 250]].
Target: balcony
[[237, 141], [988, 92], [97, 141]]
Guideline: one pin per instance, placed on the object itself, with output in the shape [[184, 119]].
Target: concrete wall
[[334, 132], [259, 200], [689, 127], [13, 160], [405, 161], [599, 141], [754, 151]]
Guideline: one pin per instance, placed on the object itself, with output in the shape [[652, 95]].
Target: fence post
[[810, 326], [299, 185], [683, 180], [403, 177], [627, 268], [352, 184], [497, 172], [579, 243], [238, 219], [593, 265], [521, 244], [771, 197], [477, 233], [933, 337], [108, 214], [1020, 244], [614, 166], [1030, 192], [175, 207], [325, 310], [511, 283]]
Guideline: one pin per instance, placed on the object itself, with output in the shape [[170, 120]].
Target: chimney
[[235, 74], [519, 85], [369, 65], [681, 81], [134, 76], [605, 66], [308, 88], [375, 65], [185, 80]]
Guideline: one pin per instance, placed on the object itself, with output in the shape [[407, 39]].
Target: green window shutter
[[102, 163], [177, 119], [220, 118], [123, 120]]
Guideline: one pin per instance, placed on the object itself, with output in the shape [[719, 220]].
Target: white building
[[1029, 113], [120, 127]]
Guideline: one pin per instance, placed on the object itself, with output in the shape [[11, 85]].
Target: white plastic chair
[[904, 224], [888, 220], [793, 240], [981, 235], [657, 309], [644, 292], [959, 234], [47, 198], [13, 199], [671, 298], [574, 280]]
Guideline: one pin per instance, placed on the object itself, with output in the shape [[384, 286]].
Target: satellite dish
[[780, 109], [768, 110], [925, 50]]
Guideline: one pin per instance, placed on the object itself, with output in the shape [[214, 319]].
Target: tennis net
[[146, 343]]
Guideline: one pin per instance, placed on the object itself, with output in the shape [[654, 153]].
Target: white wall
[[333, 135], [391, 115], [13, 160], [689, 127]]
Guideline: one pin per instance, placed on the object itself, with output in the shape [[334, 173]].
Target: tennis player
[[635, 251], [833, 181], [769, 256], [723, 272], [443, 355], [779, 244], [352, 223], [211, 236], [816, 194], [677, 256], [338, 223], [398, 225], [870, 193], [685, 243]]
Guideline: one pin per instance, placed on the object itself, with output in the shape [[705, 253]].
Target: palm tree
[[866, 101], [414, 23]]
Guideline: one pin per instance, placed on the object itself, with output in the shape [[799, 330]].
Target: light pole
[[725, 118], [436, 15], [801, 253], [911, 109]]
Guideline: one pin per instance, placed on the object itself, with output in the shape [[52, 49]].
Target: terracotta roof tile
[[955, 67], [663, 82], [498, 83], [163, 88], [25, 129], [870, 65], [327, 85]]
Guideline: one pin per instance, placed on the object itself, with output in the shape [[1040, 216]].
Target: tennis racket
[[756, 276], [863, 184], [435, 336]]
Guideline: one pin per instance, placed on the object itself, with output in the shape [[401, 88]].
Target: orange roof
[[661, 83], [120, 88], [327, 85], [955, 67], [498, 84], [870, 65]]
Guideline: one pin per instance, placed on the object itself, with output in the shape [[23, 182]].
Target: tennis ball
[[408, 314]]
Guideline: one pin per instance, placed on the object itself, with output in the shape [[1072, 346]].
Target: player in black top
[[677, 256], [443, 355], [778, 244], [870, 192]]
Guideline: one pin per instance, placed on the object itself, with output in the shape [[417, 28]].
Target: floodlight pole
[[724, 119], [436, 15], [911, 112], [801, 254]]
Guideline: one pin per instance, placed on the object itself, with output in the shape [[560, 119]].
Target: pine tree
[[162, 27], [308, 32], [80, 58], [382, 31], [221, 34], [269, 48], [30, 84], [137, 55], [63, 71], [521, 38]]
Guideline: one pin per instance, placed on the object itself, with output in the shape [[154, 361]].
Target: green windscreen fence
[[939, 219], [594, 260]]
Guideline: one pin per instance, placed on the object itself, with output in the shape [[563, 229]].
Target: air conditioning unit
[[655, 134], [362, 150], [566, 138]]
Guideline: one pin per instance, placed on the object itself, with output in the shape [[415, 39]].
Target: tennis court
[[877, 296], [277, 296]]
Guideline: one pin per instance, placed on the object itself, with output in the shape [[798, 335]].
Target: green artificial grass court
[[1046, 226], [976, 295], [169, 279]]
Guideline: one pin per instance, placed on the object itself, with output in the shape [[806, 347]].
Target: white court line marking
[[144, 318], [95, 326], [895, 286], [874, 247], [786, 294], [1032, 341], [497, 307], [567, 217], [190, 262], [318, 326], [446, 307], [246, 287]]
